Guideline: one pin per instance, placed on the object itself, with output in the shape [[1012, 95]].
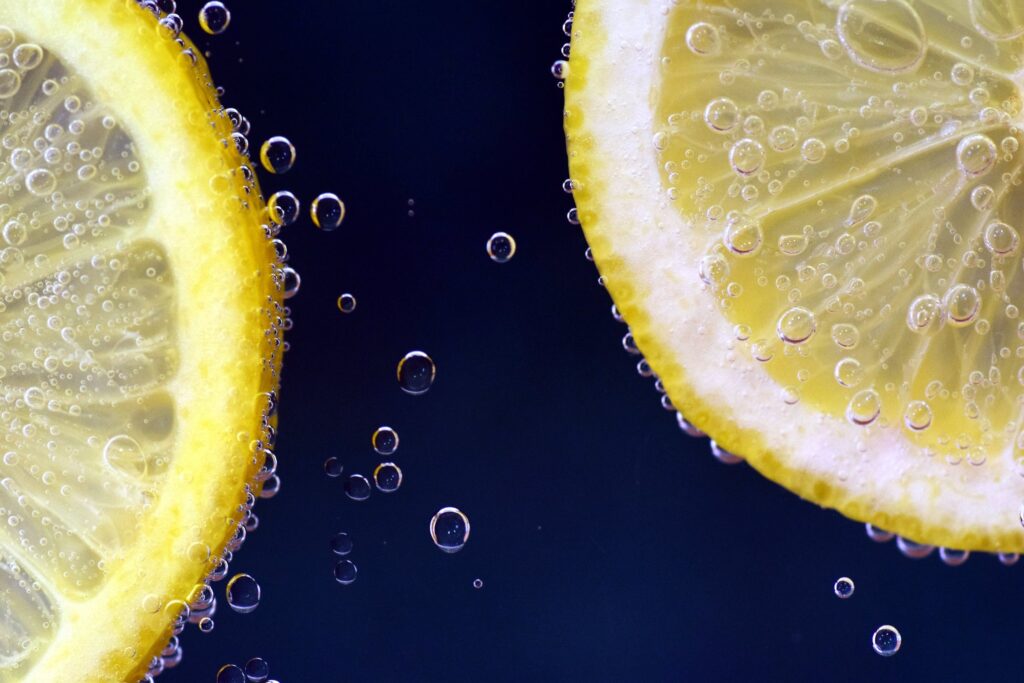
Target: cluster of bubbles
[[256, 670]]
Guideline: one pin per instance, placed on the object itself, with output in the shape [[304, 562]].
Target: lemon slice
[[138, 294], [810, 214]]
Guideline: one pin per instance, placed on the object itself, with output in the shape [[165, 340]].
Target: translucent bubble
[[28, 56], [976, 155], [124, 455], [385, 440], [961, 74], [206, 625], [347, 303], [878, 535], [416, 373], [953, 558], [882, 35], [341, 543], [388, 477], [333, 467], [478, 583], [277, 154], [981, 197], [41, 182], [10, 83], [864, 407], [783, 138], [345, 572], [746, 156], [721, 115], [449, 528], [214, 17], [284, 207], [845, 335], [702, 38], [1000, 238], [257, 670], [501, 247], [357, 487], [327, 211], [743, 236], [291, 282], [962, 303], [713, 269], [843, 587], [792, 245], [862, 208], [1008, 559], [723, 456], [849, 372], [796, 325], [560, 69], [918, 416], [813, 150], [230, 673], [925, 314], [886, 640], [243, 593], [913, 550]]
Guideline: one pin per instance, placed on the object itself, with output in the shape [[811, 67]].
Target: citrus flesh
[[138, 298], [810, 216]]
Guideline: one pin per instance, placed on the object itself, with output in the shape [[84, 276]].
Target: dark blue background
[[611, 546]]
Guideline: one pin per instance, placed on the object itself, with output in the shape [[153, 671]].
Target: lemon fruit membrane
[[139, 327], [810, 215]]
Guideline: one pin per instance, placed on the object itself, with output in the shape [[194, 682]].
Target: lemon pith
[[141, 321], [807, 215]]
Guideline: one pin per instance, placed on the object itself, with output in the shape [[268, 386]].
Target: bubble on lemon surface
[[346, 303], [345, 572], [886, 640], [387, 477], [416, 372], [449, 529], [214, 17], [501, 247], [243, 593], [384, 440], [882, 35], [952, 557], [284, 207], [327, 211], [277, 154], [843, 587]]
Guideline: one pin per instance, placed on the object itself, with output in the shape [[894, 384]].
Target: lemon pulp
[[810, 216], [139, 308]]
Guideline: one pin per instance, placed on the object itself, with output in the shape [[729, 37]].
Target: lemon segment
[[139, 317], [809, 215]]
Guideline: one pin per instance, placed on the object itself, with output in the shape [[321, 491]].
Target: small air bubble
[[214, 17], [501, 247], [277, 154], [449, 529], [327, 211]]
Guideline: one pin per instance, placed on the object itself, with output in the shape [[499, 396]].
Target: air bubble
[[277, 154], [257, 670], [345, 572], [327, 211], [501, 247], [843, 587], [864, 407], [885, 36], [796, 325], [845, 335], [284, 208], [721, 115], [925, 314], [1000, 238], [214, 17], [743, 236], [813, 150], [416, 372], [346, 303], [387, 476], [41, 182], [243, 593], [849, 372], [333, 467], [982, 197], [962, 303], [702, 38], [886, 640], [746, 157], [976, 155], [560, 69], [357, 487], [341, 543], [918, 416], [449, 529], [385, 440], [783, 138]]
